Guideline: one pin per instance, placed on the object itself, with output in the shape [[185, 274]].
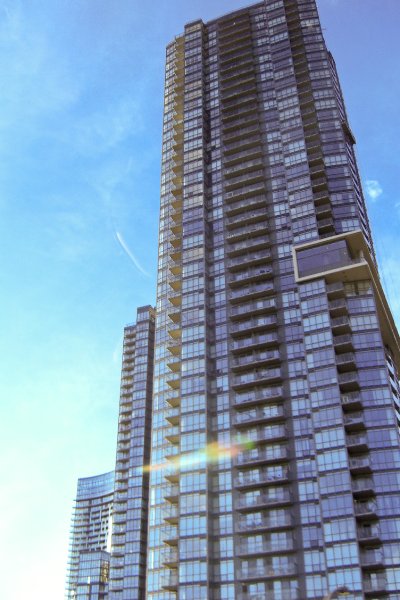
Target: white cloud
[[373, 189]]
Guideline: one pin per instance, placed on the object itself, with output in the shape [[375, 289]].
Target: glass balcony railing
[[259, 414], [271, 393], [253, 324], [255, 340], [255, 358]]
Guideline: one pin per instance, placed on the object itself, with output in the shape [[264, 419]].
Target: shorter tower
[[129, 536], [89, 558]]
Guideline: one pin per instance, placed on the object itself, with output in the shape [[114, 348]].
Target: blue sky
[[80, 134]]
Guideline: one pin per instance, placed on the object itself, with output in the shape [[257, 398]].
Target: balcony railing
[[275, 498], [259, 414]]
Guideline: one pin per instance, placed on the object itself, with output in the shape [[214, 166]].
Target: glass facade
[[90, 539]]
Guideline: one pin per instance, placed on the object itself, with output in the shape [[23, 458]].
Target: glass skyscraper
[[275, 420], [258, 453]]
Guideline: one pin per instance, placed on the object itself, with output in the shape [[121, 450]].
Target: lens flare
[[210, 454]]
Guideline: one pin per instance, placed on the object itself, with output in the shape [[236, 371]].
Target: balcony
[[250, 216], [348, 381], [250, 107], [338, 307], [246, 191], [255, 359], [272, 499], [267, 572], [236, 208], [363, 487], [170, 513], [258, 415], [254, 290], [360, 465], [354, 421], [335, 290], [293, 594], [372, 558], [251, 480], [252, 243], [256, 522], [171, 494], [254, 324], [268, 433], [365, 509], [170, 535], [173, 398], [172, 434], [369, 534], [263, 455], [170, 582], [237, 88], [346, 361], [257, 378], [272, 394], [265, 547], [351, 401], [340, 325], [376, 586], [170, 557], [251, 176], [250, 275], [173, 415], [247, 231], [255, 341], [250, 258], [241, 156], [357, 443], [253, 308]]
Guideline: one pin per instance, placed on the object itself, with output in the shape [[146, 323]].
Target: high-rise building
[[129, 536], [90, 539], [275, 468]]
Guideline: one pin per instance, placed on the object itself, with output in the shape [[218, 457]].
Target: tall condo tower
[[129, 536], [90, 540], [275, 439]]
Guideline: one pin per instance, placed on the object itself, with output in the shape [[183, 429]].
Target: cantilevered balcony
[[265, 547], [256, 522], [260, 396], [349, 381], [254, 324], [241, 156], [256, 257], [251, 274], [354, 421], [255, 359], [264, 477], [365, 510], [259, 415], [253, 308], [257, 242], [260, 455], [346, 361], [255, 341], [357, 443], [243, 206], [362, 487], [272, 498], [256, 378], [253, 290], [360, 464], [250, 216]]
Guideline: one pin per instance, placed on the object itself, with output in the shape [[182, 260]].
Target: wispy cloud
[[128, 251], [373, 189]]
